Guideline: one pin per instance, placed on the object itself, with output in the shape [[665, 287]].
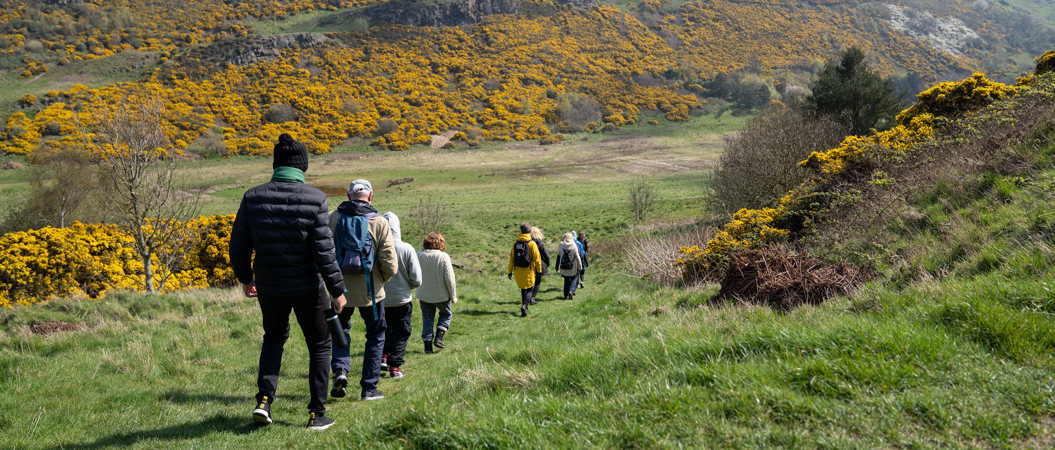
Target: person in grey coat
[[399, 309]]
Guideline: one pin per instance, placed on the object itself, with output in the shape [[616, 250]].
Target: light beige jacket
[[437, 277]]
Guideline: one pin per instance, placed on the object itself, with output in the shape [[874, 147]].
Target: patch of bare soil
[[50, 327], [439, 140]]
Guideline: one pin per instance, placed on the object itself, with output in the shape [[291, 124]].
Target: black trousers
[[538, 282], [525, 296], [398, 333], [309, 310]]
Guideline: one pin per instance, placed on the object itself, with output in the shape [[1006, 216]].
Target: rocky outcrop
[[582, 4], [439, 13], [948, 34], [264, 48], [432, 13]]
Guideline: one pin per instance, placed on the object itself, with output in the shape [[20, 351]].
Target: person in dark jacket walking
[[284, 222], [537, 237]]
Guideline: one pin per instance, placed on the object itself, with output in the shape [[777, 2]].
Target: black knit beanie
[[291, 153]]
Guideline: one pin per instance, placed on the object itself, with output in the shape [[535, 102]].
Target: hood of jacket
[[393, 224], [523, 237], [356, 207]]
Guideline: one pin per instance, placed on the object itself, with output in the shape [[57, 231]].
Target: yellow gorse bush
[[503, 78], [754, 228], [76, 32], [954, 98], [90, 261]]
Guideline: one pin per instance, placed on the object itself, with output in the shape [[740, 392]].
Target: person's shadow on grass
[[218, 423]]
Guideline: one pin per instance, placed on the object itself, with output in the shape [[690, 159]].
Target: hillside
[[549, 69], [952, 347]]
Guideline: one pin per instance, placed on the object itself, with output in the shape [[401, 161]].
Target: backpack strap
[[370, 274]]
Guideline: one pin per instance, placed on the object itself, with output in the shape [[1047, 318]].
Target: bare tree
[[64, 186], [142, 185], [641, 199], [759, 165], [430, 213]]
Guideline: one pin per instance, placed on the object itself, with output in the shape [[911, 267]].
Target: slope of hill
[[957, 355], [505, 77]]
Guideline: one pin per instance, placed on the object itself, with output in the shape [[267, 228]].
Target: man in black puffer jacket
[[286, 223]]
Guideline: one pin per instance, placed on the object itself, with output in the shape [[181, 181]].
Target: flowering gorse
[[90, 261]]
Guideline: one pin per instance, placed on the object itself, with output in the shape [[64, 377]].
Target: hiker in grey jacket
[[399, 310], [438, 290], [569, 263]]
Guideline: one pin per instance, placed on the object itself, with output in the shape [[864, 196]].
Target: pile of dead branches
[[782, 280]]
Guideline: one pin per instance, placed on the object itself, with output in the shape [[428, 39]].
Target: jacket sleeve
[[413, 269], [511, 250], [545, 254], [324, 253], [240, 249], [448, 277], [385, 260]]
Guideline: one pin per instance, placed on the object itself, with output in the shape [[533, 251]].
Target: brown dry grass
[[651, 254]]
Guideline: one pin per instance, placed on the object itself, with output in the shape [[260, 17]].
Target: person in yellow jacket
[[524, 261]]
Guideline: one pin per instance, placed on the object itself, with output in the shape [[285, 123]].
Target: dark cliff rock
[[263, 48], [440, 13], [433, 13]]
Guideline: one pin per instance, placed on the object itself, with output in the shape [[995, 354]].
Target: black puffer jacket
[[286, 223]]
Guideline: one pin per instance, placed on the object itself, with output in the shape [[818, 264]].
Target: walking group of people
[[293, 255], [529, 261], [290, 253]]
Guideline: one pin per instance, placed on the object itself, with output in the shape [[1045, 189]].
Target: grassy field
[[119, 68], [964, 362], [625, 364]]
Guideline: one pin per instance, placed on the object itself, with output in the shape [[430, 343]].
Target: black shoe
[[384, 362], [523, 311], [262, 413], [317, 421], [428, 346], [340, 382], [373, 394], [438, 340]]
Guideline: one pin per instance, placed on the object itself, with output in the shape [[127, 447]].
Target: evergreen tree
[[850, 93]]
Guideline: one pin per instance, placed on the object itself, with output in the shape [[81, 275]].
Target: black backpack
[[520, 254], [566, 262]]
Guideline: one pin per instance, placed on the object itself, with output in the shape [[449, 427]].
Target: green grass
[[300, 23], [626, 364], [964, 362], [1040, 10], [119, 68]]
